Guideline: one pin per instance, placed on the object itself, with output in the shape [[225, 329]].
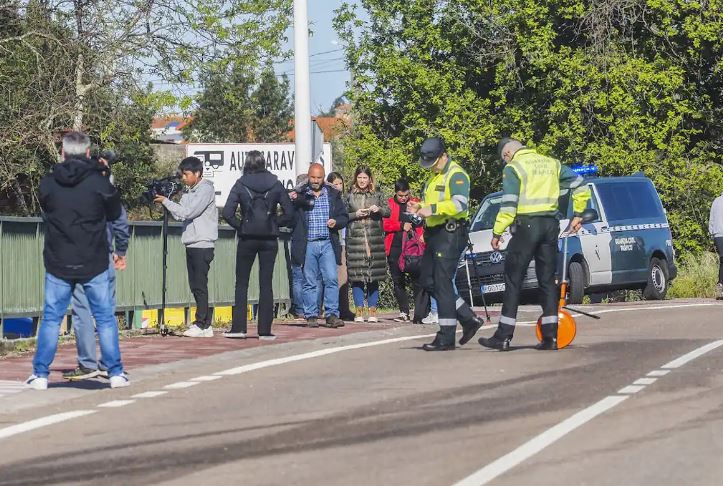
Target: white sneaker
[[432, 318], [208, 332], [373, 319], [119, 381], [234, 335], [267, 337], [194, 331], [359, 319], [36, 383]]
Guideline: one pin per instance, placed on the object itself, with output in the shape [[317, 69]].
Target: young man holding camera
[[197, 210]]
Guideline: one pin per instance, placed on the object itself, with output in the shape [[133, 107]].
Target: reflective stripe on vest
[[539, 182]]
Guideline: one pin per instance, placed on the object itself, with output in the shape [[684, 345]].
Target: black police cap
[[431, 150]]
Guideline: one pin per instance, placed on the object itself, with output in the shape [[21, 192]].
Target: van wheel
[[576, 289], [657, 285]]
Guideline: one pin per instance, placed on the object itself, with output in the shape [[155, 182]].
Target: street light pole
[[302, 102]]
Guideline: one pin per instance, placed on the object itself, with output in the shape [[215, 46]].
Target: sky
[[328, 73]]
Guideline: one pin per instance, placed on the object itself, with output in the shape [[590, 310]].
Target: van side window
[[591, 203], [630, 200]]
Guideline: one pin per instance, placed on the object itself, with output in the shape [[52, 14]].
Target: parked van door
[[595, 241]]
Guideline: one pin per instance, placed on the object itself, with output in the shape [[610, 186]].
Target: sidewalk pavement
[[144, 350]]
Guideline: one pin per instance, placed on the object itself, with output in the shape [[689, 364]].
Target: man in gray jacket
[[197, 210], [715, 227]]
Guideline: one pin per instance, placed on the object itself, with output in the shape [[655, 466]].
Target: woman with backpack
[[258, 194], [400, 230], [365, 256]]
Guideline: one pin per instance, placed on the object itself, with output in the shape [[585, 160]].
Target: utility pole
[[302, 102]]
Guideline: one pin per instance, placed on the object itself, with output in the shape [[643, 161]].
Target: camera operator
[[320, 214], [77, 202], [258, 193], [197, 210], [118, 231]]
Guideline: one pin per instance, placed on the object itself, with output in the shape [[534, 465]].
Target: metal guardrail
[[22, 272]]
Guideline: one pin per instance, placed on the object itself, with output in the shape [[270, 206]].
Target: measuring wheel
[[566, 329]]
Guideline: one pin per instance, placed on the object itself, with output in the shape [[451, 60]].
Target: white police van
[[629, 246]]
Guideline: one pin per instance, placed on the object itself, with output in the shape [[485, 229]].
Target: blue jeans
[[297, 292], [83, 325], [433, 304], [297, 275], [320, 261], [57, 298], [372, 294]]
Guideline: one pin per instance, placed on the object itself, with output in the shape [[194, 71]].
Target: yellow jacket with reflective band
[[531, 185], [448, 195]]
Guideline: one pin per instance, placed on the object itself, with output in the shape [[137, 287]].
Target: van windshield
[[485, 217]]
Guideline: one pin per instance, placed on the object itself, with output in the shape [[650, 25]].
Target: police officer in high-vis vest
[[445, 207], [531, 187]]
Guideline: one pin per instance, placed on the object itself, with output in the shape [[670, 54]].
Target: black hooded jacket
[[259, 182], [77, 202]]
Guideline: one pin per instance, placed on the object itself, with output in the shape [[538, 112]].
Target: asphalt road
[[353, 410]]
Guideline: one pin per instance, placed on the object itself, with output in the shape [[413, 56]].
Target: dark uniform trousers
[[534, 237], [439, 266]]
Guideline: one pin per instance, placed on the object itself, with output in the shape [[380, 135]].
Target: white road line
[[42, 422], [206, 378], [677, 363], [149, 394], [553, 434], [630, 389], [658, 373], [116, 403], [645, 381], [181, 384], [630, 309], [314, 354], [535, 445]]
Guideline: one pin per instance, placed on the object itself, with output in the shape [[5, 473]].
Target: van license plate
[[488, 289]]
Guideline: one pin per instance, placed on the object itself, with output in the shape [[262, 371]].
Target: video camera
[[304, 200], [167, 187]]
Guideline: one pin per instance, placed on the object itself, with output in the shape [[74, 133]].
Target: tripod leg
[[161, 314], [476, 276]]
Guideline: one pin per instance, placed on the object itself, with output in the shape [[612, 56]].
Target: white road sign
[[223, 162]]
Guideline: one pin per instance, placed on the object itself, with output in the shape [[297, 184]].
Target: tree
[[85, 64], [628, 85], [235, 105]]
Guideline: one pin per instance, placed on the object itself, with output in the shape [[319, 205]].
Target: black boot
[[496, 342], [470, 329], [547, 344], [443, 341], [549, 338]]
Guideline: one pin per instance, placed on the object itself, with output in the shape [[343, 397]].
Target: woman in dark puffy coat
[[365, 256]]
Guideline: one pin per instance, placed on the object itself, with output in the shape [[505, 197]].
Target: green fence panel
[[139, 286]]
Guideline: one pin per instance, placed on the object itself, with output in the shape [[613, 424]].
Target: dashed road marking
[[149, 394], [553, 434], [658, 373], [8, 387], [42, 422], [645, 381], [181, 384], [207, 378], [631, 389], [116, 403]]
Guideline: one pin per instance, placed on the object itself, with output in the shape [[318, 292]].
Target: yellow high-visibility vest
[[539, 181], [438, 194]]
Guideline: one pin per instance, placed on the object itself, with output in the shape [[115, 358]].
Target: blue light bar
[[586, 170]]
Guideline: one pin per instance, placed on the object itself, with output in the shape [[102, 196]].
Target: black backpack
[[258, 219]]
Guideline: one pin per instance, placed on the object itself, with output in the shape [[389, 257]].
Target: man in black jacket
[[77, 202], [320, 214]]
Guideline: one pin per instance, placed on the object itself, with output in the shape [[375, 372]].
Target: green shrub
[[697, 276]]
